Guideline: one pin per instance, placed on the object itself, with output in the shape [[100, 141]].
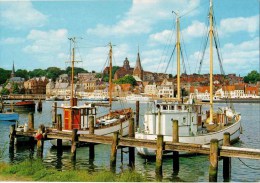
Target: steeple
[[138, 70], [13, 71], [126, 64]]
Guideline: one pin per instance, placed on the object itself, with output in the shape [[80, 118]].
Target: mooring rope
[[248, 165]]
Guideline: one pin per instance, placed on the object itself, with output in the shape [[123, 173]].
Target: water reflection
[[192, 169]]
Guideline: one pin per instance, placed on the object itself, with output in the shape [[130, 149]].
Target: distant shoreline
[[239, 100]]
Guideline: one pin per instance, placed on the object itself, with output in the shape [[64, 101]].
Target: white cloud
[[161, 37], [247, 24], [44, 42], [12, 40], [240, 58], [196, 29], [20, 15], [96, 57], [48, 46], [142, 16]]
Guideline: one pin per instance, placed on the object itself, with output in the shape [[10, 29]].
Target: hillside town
[[147, 83]]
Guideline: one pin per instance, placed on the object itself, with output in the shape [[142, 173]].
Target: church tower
[[138, 70], [13, 71], [126, 64]]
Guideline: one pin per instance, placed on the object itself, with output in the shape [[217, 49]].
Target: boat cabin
[[77, 117], [159, 120]]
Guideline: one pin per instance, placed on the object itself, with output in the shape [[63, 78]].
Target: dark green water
[[192, 169]]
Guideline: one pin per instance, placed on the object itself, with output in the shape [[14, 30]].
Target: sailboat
[[77, 117], [195, 126]]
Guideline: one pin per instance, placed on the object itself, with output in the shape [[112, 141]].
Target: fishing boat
[[77, 117], [195, 126], [97, 95], [135, 97], [24, 105]]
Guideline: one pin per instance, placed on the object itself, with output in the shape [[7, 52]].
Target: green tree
[[15, 88], [5, 74], [37, 73], [252, 77], [22, 73], [105, 78], [98, 75], [5, 91], [53, 73], [126, 79]]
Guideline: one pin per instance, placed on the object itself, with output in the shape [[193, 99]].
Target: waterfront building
[[36, 85]]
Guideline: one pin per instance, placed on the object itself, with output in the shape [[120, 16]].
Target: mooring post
[[226, 160], [131, 134], [31, 121], [175, 139], [59, 128], [159, 154], [113, 152], [137, 106], [12, 137], [54, 113], [39, 106], [31, 147], [74, 139], [213, 157], [91, 132], [59, 122]]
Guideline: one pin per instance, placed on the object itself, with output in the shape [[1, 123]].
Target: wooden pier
[[214, 150]]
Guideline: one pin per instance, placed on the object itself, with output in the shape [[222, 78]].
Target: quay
[[214, 149], [24, 97]]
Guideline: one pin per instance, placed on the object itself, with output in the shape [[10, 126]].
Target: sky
[[34, 34]]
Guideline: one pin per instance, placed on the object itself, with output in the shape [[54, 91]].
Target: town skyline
[[40, 39]]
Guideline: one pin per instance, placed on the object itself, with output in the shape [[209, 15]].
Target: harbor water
[[192, 168]]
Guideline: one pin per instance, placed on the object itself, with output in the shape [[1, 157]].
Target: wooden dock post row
[[213, 150]]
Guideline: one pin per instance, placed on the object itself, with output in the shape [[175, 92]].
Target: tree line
[[51, 73]]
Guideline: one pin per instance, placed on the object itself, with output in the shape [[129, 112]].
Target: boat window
[[165, 107], [192, 119], [184, 120]]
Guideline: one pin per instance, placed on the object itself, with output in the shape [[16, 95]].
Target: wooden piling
[[54, 113], [159, 154], [175, 139], [131, 134], [91, 132], [226, 160], [59, 122], [12, 137], [39, 106], [91, 125], [74, 140], [31, 147], [213, 157], [114, 152], [59, 128], [137, 106], [31, 121]]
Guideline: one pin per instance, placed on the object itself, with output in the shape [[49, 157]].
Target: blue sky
[[34, 34]]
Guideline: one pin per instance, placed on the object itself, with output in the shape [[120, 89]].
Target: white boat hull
[[106, 131], [233, 129]]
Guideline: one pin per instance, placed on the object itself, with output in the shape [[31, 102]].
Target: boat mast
[[110, 77], [72, 71], [178, 55], [211, 60]]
